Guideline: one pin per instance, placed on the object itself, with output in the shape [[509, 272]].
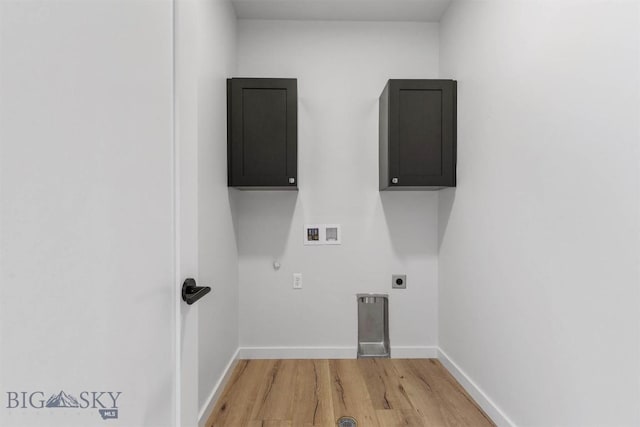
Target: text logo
[[106, 402]]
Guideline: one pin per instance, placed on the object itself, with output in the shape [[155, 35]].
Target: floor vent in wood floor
[[347, 422]]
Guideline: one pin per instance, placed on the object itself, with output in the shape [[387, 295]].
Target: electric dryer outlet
[[399, 281]]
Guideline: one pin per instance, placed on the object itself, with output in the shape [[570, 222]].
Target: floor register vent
[[347, 422]]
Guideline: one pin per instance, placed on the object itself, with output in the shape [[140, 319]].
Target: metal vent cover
[[347, 422]]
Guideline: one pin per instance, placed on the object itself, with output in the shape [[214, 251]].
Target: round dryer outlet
[[399, 281]]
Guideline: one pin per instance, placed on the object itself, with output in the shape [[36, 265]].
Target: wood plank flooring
[[376, 392]]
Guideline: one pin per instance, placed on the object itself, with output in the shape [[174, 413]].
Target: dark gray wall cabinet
[[418, 135], [262, 133]]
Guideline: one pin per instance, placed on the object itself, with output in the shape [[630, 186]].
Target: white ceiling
[[342, 10]]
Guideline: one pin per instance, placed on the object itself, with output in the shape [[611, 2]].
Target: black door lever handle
[[192, 293]]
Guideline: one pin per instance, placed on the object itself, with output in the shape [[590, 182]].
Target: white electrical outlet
[[297, 280]]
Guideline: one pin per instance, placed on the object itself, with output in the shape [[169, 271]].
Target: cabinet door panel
[[418, 135], [264, 129], [262, 133], [420, 132]]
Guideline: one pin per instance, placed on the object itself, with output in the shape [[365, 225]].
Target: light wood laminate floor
[[376, 392]]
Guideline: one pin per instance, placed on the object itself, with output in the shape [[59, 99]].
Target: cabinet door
[[263, 133], [422, 143]]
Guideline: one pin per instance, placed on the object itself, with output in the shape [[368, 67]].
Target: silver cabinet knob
[[292, 180], [394, 180]]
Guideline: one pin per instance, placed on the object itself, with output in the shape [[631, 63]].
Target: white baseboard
[[297, 352], [419, 352], [397, 352], [205, 411], [487, 405]]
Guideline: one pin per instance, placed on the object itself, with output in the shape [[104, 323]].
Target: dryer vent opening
[[373, 325]]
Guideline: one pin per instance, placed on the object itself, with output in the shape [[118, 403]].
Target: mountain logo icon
[[62, 400]]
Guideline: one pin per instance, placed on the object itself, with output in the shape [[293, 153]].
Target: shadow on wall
[[264, 221], [411, 218], [446, 198], [235, 212]]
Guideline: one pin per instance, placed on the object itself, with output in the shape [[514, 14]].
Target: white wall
[[217, 251], [86, 210], [539, 253], [341, 69]]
